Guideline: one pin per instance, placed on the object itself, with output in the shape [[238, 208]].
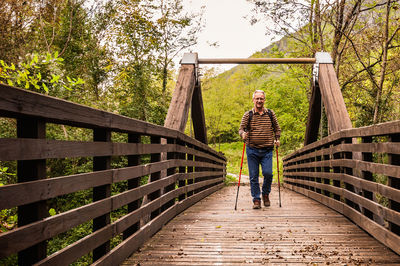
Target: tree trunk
[[385, 45]]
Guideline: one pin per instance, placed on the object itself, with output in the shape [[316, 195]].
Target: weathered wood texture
[[33, 190], [314, 116], [302, 232], [198, 117], [338, 117], [187, 95], [364, 198], [326, 89], [181, 99]]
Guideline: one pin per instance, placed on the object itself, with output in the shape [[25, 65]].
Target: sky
[[226, 25]]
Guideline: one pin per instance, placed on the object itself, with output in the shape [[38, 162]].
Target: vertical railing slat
[[101, 163], [367, 157], [155, 157], [182, 169], [190, 169], [170, 171], [349, 171], [133, 160], [394, 159], [30, 170]]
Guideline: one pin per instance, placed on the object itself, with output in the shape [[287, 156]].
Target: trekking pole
[[240, 174], [279, 182]]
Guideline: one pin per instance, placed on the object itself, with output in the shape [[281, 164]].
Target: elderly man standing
[[260, 130]]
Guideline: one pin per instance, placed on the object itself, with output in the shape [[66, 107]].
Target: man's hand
[[277, 143], [244, 135]]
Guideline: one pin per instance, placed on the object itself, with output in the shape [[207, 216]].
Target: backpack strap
[[250, 118], [270, 117]]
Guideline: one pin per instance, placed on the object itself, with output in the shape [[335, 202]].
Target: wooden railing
[[180, 171], [357, 173]]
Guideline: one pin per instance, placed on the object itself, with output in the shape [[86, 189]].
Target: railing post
[[367, 157], [133, 160], [305, 178], [312, 170], [318, 169], [155, 157], [101, 192], [30, 170], [296, 170], [349, 171], [190, 169], [182, 169], [336, 169], [394, 159], [170, 172], [327, 169]]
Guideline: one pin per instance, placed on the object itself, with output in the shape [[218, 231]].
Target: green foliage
[[3, 172], [233, 152], [230, 179], [69, 237], [39, 73], [229, 95], [149, 35], [8, 217], [288, 99]]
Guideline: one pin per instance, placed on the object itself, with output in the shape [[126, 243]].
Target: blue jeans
[[255, 157]]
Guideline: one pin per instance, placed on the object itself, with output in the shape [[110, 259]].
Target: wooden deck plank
[[301, 232]]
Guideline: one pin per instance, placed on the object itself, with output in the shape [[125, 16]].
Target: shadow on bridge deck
[[302, 231]]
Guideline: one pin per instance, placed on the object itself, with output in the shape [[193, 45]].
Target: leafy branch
[[38, 72]]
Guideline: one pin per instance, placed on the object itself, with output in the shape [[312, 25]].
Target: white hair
[[258, 91]]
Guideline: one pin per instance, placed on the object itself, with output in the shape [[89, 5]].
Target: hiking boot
[[256, 204], [266, 201]]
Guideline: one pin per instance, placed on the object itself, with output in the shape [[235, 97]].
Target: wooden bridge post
[[133, 160], [198, 118], [30, 170], [187, 94], [182, 169], [101, 192], [155, 157], [190, 169], [349, 171], [367, 175], [314, 116], [170, 171], [337, 169], [336, 112], [326, 169], [326, 87]]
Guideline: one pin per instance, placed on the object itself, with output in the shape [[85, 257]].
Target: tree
[[149, 34], [67, 27], [362, 37], [17, 29], [374, 66], [178, 31]]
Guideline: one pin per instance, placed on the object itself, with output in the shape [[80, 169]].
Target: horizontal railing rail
[[160, 173], [357, 173]]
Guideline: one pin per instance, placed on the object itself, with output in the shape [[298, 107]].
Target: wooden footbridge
[[334, 210]]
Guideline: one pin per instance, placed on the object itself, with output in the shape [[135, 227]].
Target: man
[[260, 130]]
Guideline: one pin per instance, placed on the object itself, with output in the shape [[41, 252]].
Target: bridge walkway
[[302, 231]]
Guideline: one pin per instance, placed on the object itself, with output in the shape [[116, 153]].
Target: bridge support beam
[[326, 87], [314, 116], [198, 117], [187, 94]]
